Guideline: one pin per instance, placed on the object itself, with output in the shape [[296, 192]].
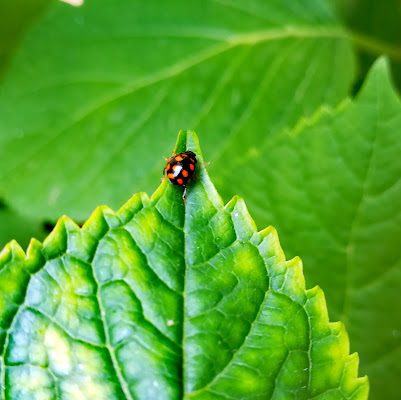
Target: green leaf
[[95, 91], [163, 300], [15, 17], [377, 27], [332, 188]]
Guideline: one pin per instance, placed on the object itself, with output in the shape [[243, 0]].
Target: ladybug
[[180, 169]]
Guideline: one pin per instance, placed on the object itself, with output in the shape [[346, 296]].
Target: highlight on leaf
[[162, 300]]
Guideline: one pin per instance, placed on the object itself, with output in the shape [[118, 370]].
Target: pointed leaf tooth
[[12, 250], [274, 257], [79, 244], [294, 281], [56, 243], [169, 204], [316, 306], [5, 255], [329, 354], [17, 252], [34, 247], [34, 256], [110, 217], [96, 226], [350, 381], [132, 206], [362, 390], [222, 230], [329, 345], [231, 204], [244, 225]]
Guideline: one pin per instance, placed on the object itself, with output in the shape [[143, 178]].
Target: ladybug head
[[190, 154]]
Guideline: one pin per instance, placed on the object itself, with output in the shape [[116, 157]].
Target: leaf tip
[[56, 242], [380, 70], [232, 203], [270, 230], [109, 216], [12, 250], [382, 63], [294, 282], [16, 250], [188, 140], [33, 247], [271, 248], [102, 219], [379, 80]]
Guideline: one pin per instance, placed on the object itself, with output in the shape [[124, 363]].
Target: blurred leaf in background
[[15, 18], [95, 95], [90, 106], [379, 23], [22, 228]]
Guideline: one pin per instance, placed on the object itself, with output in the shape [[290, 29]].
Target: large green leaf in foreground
[[166, 301]]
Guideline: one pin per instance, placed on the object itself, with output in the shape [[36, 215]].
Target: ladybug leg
[[203, 163], [164, 175], [195, 178], [184, 193], [166, 159]]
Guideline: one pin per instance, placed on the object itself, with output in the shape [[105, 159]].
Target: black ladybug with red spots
[[180, 169]]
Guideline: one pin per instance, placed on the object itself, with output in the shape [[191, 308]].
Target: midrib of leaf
[[246, 11], [116, 366], [184, 292], [254, 241], [317, 32], [375, 46], [354, 223]]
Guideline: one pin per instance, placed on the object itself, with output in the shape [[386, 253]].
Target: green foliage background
[[92, 97]]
